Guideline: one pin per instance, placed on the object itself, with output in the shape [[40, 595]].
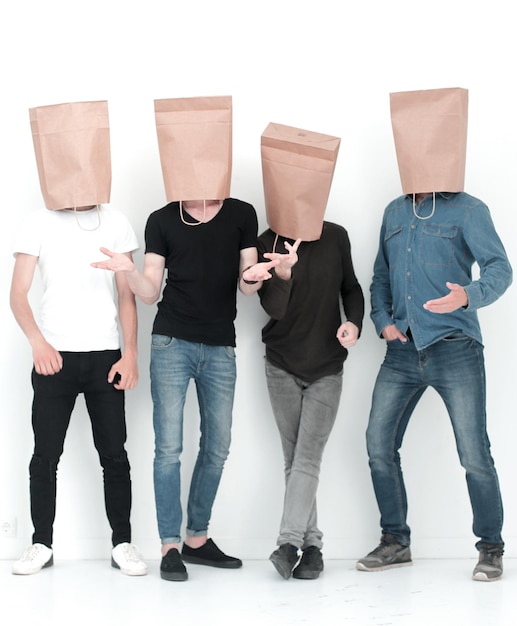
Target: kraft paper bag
[[297, 170], [72, 147], [195, 145], [430, 132]]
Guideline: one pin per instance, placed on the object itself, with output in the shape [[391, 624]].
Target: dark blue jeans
[[454, 367], [54, 400]]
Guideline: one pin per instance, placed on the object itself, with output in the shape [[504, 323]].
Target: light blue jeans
[[174, 363], [305, 414], [455, 368]]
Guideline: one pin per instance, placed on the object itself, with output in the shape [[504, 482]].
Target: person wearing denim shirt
[[424, 303]]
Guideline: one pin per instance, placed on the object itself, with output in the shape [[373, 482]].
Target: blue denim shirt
[[417, 257]]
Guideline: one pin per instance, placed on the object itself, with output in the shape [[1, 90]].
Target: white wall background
[[326, 66]]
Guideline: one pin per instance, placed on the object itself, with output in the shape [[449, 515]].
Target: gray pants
[[305, 414]]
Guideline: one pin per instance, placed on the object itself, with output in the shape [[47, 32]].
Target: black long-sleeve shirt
[[305, 311]]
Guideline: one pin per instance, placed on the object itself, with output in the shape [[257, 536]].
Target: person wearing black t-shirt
[[207, 249]]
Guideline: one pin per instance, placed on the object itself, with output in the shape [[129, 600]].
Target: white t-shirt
[[78, 311]]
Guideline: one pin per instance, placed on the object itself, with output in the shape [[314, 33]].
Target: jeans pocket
[[230, 352], [161, 341], [456, 336]]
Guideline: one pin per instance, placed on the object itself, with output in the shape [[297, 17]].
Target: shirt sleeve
[[27, 239], [154, 240], [250, 229], [351, 291], [495, 272], [126, 238], [380, 289], [275, 293]]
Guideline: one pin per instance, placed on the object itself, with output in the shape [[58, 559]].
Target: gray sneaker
[[490, 564], [389, 553], [284, 559], [310, 565]]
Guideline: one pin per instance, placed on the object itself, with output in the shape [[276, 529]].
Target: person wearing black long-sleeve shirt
[[306, 345]]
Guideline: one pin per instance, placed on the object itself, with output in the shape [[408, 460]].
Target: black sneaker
[[310, 565], [172, 568], [284, 559], [209, 554], [490, 564], [389, 553]]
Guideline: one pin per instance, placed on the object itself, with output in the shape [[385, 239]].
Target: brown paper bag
[[72, 146], [195, 144], [430, 132], [297, 170]]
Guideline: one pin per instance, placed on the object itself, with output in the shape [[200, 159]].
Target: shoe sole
[[364, 568], [49, 563], [221, 564], [483, 578], [174, 577], [307, 574], [128, 572]]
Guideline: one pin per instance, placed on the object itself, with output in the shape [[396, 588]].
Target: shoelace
[[131, 554], [30, 554], [383, 547]]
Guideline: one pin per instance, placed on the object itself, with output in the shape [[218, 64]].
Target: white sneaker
[[34, 559], [126, 558]]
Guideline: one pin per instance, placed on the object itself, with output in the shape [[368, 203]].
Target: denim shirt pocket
[[436, 247]]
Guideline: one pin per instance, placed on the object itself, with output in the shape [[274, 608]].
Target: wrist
[[248, 282], [283, 274]]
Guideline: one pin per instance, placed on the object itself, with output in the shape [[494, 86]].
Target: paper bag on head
[[430, 132], [297, 170], [195, 144], [72, 146]]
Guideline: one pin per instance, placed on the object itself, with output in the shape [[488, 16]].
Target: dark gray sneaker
[[388, 554], [310, 565], [490, 564], [284, 559]]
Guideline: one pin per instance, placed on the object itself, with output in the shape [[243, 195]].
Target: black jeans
[[54, 400]]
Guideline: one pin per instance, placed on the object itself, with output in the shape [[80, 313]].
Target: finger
[[111, 374], [107, 252], [296, 245]]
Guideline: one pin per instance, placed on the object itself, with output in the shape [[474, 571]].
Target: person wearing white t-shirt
[[76, 349]]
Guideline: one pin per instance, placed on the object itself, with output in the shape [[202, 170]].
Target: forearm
[[24, 317], [142, 286], [128, 321], [274, 297], [353, 305]]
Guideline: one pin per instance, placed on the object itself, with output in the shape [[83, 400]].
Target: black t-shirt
[[202, 262]]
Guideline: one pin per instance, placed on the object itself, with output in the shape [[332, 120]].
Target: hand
[[127, 370], [286, 261], [455, 299], [47, 360], [347, 334], [391, 333], [259, 271], [117, 262]]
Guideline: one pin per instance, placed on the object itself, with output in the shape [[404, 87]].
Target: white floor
[[431, 592]]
